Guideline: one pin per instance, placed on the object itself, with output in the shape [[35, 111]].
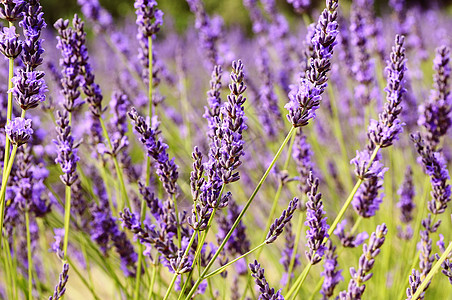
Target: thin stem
[[67, 217], [170, 287], [304, 275], [83, 279], [30, 265], [432, 272], [154, 275], [150, 76], [224, 267], [242, 213], [3, 189], [295, 248]]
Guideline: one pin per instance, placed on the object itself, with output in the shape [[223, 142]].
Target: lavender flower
[[149, 18], [387, 129], [347, 239], [302, 155], [406, 203], [330, 272], [362, 168], [10, 45], [414, 281], [67, 149], [264, 288], [316, 221], [29, 88], [19, 131], [155, 148], [278, 225], [371, 250], [367, 201], [33, 24], [12, 10], [305, 98], [212, 112], [435, 166], [435, 114], [60, 288], [92, 10]]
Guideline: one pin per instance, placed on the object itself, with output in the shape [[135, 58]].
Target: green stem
[[30, 264], [3, 189], [170, 287], [295, 248], [432, 272], [242, 213], [224, 267], [304, 275], [83, 279], [154, 275], [117, 167], [67, 217]]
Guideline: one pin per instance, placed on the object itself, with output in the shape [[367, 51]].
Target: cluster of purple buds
[[11, 10], [278, 225], [330, 272], [92, 10], [19, 131], [60, 288], [447, 264], [318, 228], [67, 149], [264, 288], [10, 44], [29, 88], [348, 239], [426, 257], [366, 201], [33, 23], [149, 17], [212, 112], [70, 81], [387, 129], [302, 155], [435, 114], [371, 250], [304, 98], [436, 167], [362, 168], [157, 149], [406, 204]]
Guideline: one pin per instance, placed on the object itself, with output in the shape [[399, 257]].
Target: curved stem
[[67, 217], [224, 267], [432, 272], [242, 213], [30, 265]]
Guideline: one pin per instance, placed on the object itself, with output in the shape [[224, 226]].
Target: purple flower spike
[[19, 130], [406, 204], [11, 10], [371, 250], [367, 201], [60, 288], [318, 228], [436, 167], [10, 45], [29, 89], [362, 168], [330, 272], [149, 18], [435, 114], [387, 129], [262, 284], [33, 23], [95, 13]]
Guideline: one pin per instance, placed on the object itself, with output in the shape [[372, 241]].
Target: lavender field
[[302, 156]]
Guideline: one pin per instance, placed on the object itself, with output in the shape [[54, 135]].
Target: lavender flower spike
[[29, 88], [149, 18], [388, 127], [371, 250], [318, 228], [19, 131], [436, 167], [60, 289], [261, 282], [331, 274], [10, 45], [435, 114], [11, 10], [278, 225]]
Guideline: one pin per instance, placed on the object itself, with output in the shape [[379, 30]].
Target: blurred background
[[231, 10]]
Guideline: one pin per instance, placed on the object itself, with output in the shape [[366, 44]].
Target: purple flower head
[[435, 114], [60, 288], [330, 273], [304, 100], [29, 89], [57, 245], [367, 201], [19, 130], [149, 17], [436, 167], [265, 291], [10, 45], [95, 13], [347, 238], [212, 112], [318, 228], [362, 168], [12, 10]]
